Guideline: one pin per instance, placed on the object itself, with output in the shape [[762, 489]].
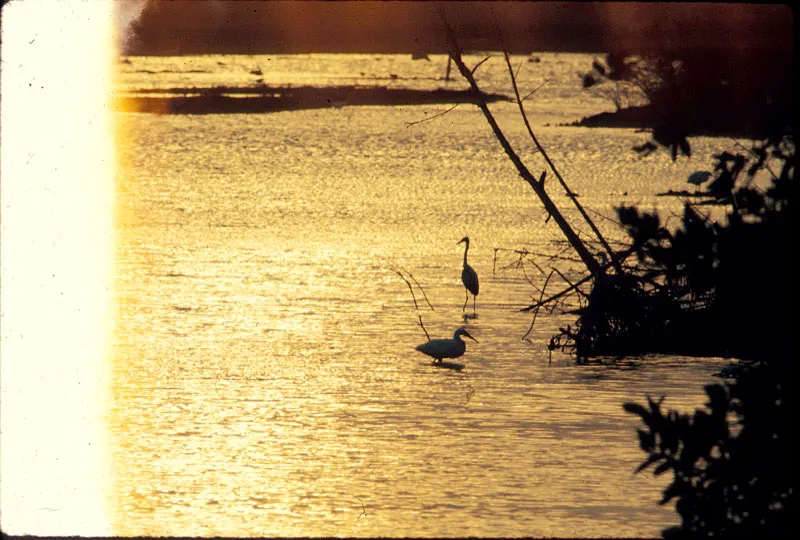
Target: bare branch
[[411, 290], [547, 256], [480, 63], [536, 311], [522, 253], [363, 509], [414, 298], [519, 68], [577, 244], [529, 94], [434, 117], [557, 295], [606, 218], [422, 325], [568, 282], [550, 163], [421, 289]]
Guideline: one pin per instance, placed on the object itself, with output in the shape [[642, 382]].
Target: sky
[[174, 27]]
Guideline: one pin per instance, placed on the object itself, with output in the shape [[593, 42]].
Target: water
[[266, 381]]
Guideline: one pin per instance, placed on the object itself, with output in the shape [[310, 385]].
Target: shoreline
[[645, 118], [231, 100]]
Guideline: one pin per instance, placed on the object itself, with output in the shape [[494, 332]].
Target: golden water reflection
[[266, 381]]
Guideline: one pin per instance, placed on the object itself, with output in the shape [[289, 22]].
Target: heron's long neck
[[466, 249]]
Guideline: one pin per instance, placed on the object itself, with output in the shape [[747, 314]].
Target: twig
[[522, 254], [399, 272], [525, 274], [557, 295], [425, 296], [363, 509], [568, 282], [529, 94], [549, 257], [479, 64], [470, 393], [536, 311], [599, 214], [414, 298], [434, 117], [519, 68], [422, 325]]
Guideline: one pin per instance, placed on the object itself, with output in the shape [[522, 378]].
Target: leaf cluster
[[731, 461], [706, 287]]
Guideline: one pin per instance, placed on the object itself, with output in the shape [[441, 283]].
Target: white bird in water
[[446, 348], [469, 277]]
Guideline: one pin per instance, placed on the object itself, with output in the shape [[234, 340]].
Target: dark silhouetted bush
[[732, 462], [692, 91], [708, 288]]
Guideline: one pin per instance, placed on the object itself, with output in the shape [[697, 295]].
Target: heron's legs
[[466, 299], [473, 303]]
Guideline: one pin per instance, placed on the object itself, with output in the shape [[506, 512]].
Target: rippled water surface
[[266, 381]]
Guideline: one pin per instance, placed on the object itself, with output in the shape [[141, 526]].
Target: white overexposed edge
[[56, 244]]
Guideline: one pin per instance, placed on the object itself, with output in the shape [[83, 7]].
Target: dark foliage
[[707, 91], [714, 288], [711, 288], [732, 461], [706, 288]]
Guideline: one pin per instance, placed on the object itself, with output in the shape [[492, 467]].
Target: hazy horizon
[[156, 27]]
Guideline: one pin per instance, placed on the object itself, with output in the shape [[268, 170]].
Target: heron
[[446, 348], [469, 277], [698, 177]]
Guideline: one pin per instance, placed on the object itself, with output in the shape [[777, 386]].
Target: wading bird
[[698, 178], [469, 277], [446, 348]]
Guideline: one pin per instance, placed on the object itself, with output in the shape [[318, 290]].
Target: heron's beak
[[470, 337]]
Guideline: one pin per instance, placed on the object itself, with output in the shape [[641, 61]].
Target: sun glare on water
[[57, 225]]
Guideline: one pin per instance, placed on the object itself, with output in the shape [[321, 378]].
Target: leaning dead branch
[[625, 305], [684, 290], [586, 256], [546, 157]]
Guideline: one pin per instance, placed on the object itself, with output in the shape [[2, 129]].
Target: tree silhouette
[[732, 462]]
